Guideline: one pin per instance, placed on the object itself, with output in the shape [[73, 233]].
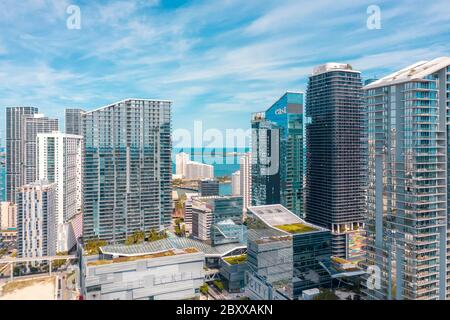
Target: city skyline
[[259, 51], [224, 150]]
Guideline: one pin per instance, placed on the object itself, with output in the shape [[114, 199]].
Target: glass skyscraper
[[277, 154], [73, 122], [335, 171], [22, 126], [408, 192], [127, 174], [14, 146]]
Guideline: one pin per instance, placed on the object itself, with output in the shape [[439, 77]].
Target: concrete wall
[[164, 278]]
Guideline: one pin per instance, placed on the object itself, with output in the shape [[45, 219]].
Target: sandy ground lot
[[31, 289]]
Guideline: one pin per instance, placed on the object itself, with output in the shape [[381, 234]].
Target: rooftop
[[236, 259], [333, 66], [127, 100], [161, 254], [171, 244], [280, 218], [415, 71], [294, 228]]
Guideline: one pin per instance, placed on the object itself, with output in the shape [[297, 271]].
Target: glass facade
[[14, 147], [218, 219], [407, 223], [127, 172], [278, 154], [73, 122], [335, 170], [289, 261]]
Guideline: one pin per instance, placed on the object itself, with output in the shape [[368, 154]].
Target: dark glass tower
[[335, 172], [127, 169]]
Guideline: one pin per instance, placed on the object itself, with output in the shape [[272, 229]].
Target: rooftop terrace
[[171, 244], [295, 228], [161, 254], [280, 218], [236, 259]]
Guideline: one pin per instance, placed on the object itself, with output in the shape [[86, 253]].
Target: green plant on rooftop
[[294, 228], [236, 259], [136, 238], [93, 246], [154, 235], [204, 289], [219, 285]]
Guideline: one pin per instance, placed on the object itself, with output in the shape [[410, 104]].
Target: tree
[[136, 238], [154, 235], [180, 230], [93, 246]]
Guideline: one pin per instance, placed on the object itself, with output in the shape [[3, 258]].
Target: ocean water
[[225, 161]]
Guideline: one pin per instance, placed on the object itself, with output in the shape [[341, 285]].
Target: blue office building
[[278, 154]]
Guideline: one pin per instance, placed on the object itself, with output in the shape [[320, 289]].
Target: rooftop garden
[[92, 247], [236, 259], [167, 253], [295, 228]]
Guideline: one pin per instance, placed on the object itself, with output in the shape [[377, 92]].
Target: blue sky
[[218, 61]]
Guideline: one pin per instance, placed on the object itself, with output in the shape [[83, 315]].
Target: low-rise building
[[172, 274], [8, 216], [218, 219], [232, 271], [208, 187], [286, 251]]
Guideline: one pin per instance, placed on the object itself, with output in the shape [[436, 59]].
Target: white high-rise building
[[198, 171], [36, 220], [236, 183], [246, 179], [182, 159], [193, 170], [59, 162]]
